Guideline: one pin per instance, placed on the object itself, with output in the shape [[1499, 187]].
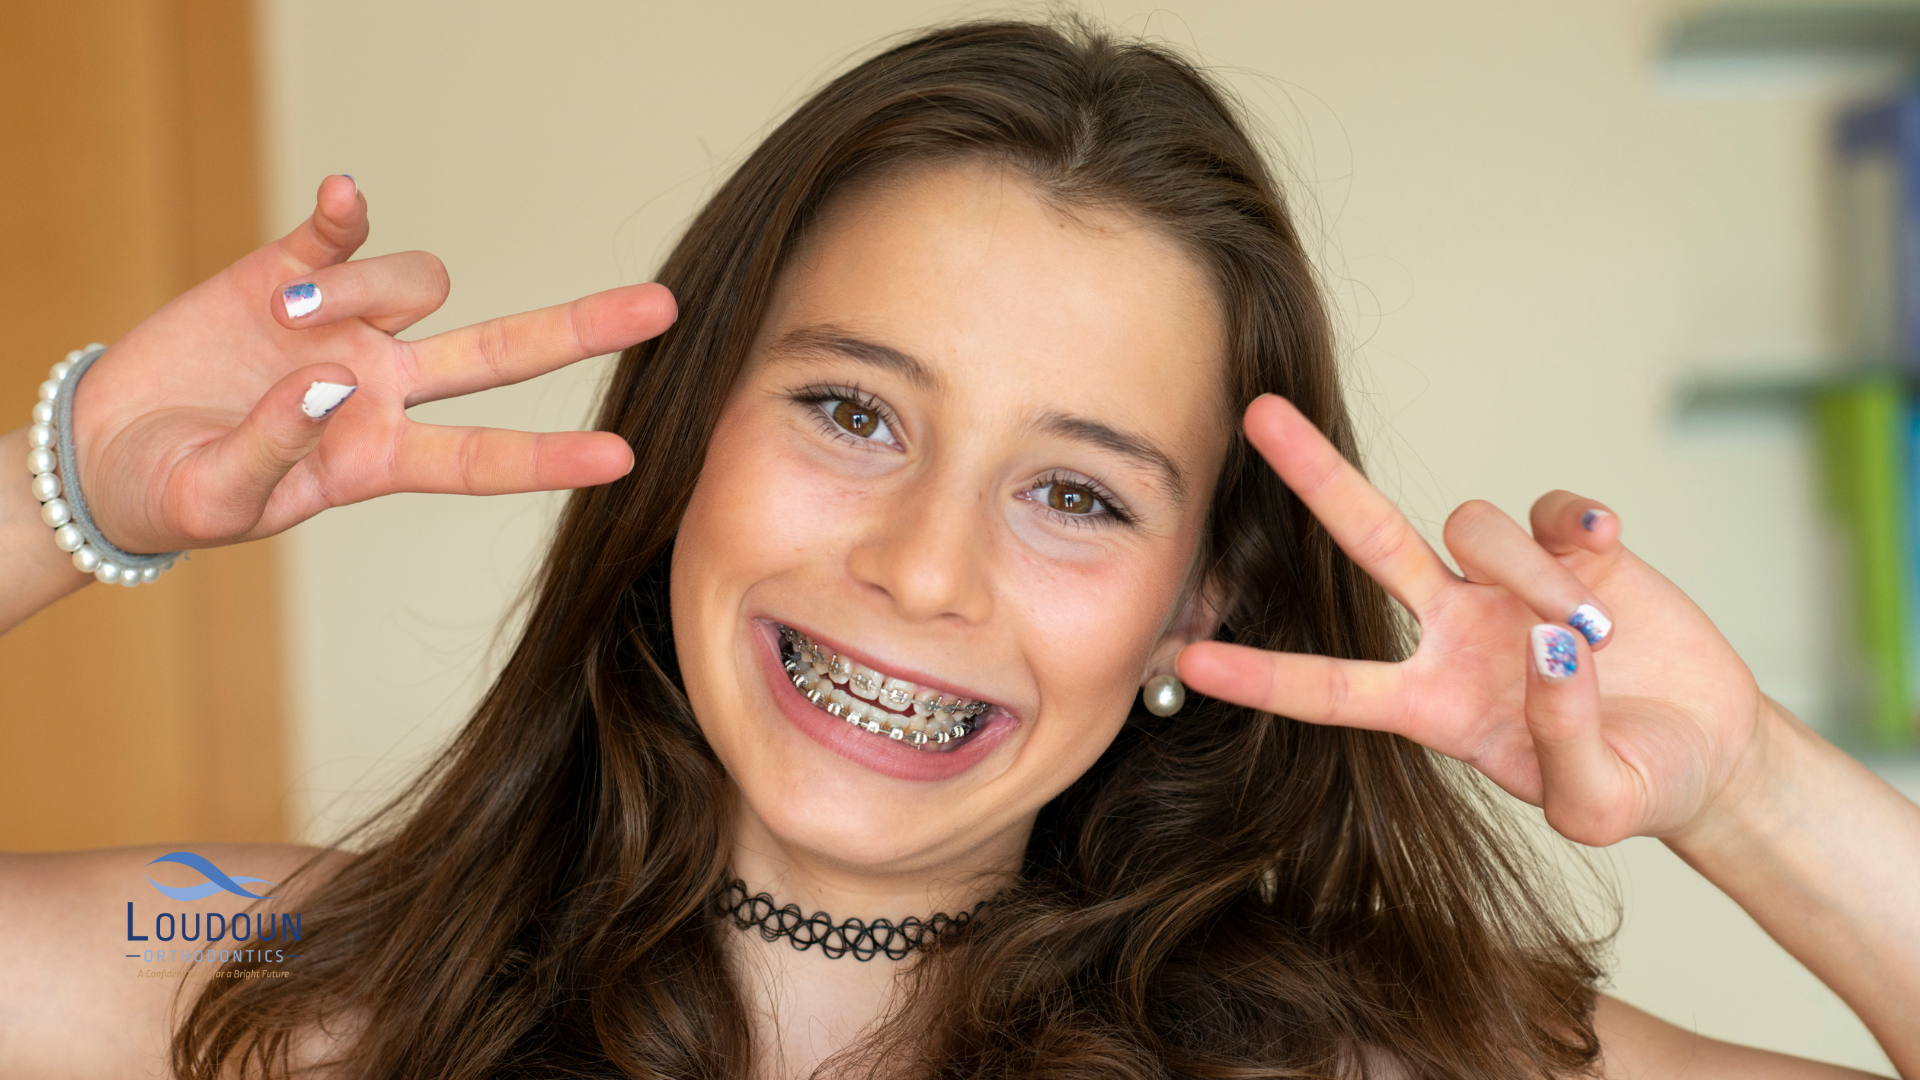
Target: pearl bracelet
[[63, 508]]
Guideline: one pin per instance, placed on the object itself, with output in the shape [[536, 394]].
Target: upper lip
[[899, 671]]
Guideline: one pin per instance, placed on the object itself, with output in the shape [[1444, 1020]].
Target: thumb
[[238, 472], [1586, 790]]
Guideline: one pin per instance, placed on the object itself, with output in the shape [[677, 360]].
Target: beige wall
[[1529, 237]]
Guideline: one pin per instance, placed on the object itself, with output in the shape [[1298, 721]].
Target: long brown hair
[[1229, 893]]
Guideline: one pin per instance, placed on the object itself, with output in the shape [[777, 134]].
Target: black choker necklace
[[863, 940]]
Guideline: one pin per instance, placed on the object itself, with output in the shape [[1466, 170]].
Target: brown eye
[[1070, 498], [856, 419]]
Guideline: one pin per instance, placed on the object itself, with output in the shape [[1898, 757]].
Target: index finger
[[1370, 529], [518, 347]]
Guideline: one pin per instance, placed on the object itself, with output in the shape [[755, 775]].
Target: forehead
[[970, 271]]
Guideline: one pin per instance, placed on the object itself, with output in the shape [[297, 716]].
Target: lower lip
[[899, 760]]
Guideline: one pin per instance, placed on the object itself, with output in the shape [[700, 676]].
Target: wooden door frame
[[131, 169]]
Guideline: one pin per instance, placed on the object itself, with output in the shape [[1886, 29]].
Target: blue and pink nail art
[[1555, 656], [301, 299], [1592, 518], [1592, 623]]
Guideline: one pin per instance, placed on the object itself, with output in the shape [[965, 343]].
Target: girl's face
[[970, 458]]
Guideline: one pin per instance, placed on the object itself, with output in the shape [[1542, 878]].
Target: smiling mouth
[[873, 701]]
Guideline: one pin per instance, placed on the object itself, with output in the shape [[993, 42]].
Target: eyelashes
[[1057, 490], [850, 415], [841, 411]]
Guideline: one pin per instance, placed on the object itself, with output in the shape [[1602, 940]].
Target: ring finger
[[389, 292], [1492, 548]]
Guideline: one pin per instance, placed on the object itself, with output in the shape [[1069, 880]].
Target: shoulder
[[84, 995], [1637, 1045]]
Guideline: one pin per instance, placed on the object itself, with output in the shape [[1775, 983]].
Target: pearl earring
[[1164, 695]]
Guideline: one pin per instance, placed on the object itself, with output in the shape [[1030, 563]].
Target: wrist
[[1754, 803]]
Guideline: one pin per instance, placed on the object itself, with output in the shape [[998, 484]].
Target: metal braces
[[959, 712], [803, 680]]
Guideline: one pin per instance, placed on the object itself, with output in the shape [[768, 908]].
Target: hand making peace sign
[[191, 430], [1639, 740]]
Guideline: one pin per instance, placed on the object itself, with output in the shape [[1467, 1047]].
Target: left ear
[[1198, 619]]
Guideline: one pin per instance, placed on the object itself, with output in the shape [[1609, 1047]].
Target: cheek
[[753, 510], [1091, 626]]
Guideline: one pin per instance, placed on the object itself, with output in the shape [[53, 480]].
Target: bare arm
[[1639, 1046], [1826, 858]]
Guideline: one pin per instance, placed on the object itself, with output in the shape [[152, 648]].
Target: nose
[[927, 549]]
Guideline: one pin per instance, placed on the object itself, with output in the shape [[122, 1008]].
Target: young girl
[[970, 652]]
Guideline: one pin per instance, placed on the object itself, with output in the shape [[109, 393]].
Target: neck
[[805, 1007]]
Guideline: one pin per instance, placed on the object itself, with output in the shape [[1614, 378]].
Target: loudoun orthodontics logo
[[213, 937]]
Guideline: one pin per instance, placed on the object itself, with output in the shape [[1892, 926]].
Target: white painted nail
[[1592, 623], [1555, 656], [324, 397], [301, 299]]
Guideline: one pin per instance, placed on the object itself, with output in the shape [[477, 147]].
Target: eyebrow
[[835, 340], [840, 342], [1120, 442]]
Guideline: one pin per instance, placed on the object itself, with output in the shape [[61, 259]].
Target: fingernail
[[324, 397], [1555, 656], [301, 299], [1591, 519], [1592, 623]]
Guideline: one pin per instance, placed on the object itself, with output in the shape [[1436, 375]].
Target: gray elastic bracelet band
[[70, 475]]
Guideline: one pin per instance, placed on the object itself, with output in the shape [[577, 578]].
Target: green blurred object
[[1862, 430]]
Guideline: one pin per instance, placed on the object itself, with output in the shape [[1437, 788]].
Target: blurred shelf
[[1746, 51], [1739, 33], [1700, 394]]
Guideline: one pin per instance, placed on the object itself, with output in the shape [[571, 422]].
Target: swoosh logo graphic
[[217, 879]]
